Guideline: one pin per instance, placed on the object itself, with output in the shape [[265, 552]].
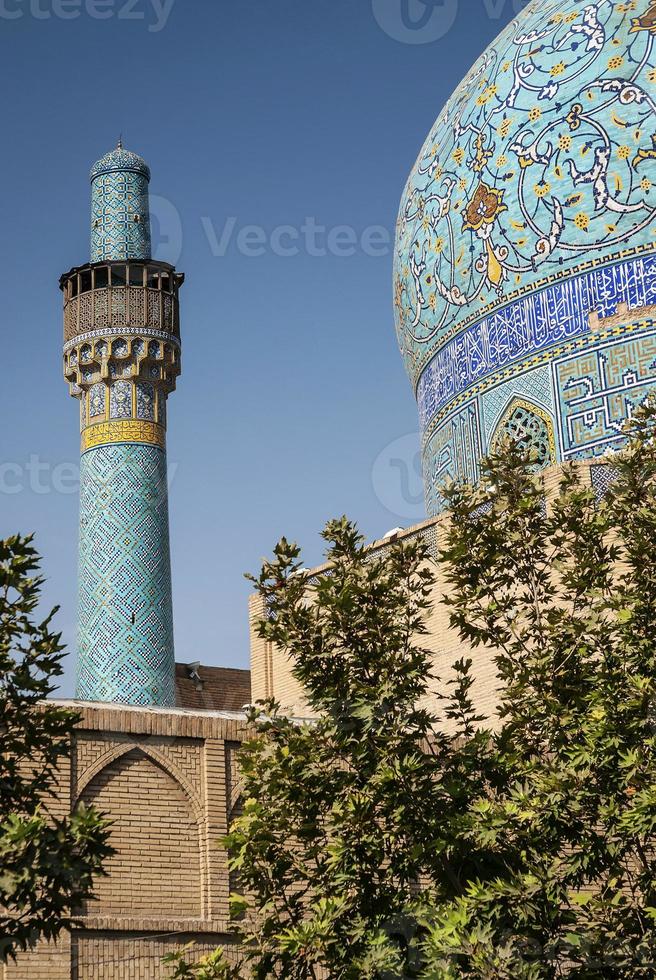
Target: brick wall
[[115, 956], [50, 961], [156, 831]]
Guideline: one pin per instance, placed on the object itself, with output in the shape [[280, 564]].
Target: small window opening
[[118, 275], [136, 275], [102, 277]]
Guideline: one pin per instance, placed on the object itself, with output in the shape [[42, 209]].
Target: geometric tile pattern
[[526, 229], [125, 608], [603, 477], [531, 429], [599, 389], [120, 218], [535, 386], [452, 453]]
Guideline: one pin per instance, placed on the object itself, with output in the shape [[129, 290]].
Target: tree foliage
[[378, 841], [331, 844], [47, 862], [565, 595]]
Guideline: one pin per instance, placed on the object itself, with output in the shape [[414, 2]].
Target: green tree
[[47, 863], [338, 828], [373, 843], [565, 597]]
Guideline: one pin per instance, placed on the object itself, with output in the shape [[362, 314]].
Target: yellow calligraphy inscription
[[123, 430]]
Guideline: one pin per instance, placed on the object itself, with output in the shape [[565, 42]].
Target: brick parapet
[[176, 722]]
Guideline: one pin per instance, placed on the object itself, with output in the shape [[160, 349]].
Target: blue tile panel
[[533, 386], [452, 452], [534, 323], [125, 572], [599, 388], [595, 384]]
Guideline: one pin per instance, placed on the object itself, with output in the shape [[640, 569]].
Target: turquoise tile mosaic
[[120, 215], [527, 221], [125, 617]]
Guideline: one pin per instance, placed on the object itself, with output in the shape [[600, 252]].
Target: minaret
[[121, 360]]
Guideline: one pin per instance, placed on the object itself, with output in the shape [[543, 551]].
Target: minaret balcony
[[121, 297]]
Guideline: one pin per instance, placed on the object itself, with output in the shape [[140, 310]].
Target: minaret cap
[[120, 159]]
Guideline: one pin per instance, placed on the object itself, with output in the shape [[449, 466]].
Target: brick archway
[[157, 869], [117, 751]]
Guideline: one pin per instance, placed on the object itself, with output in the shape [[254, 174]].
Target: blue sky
[[280, 134]]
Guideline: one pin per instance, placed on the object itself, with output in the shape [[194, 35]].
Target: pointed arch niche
[[531, 427], [156, 870]]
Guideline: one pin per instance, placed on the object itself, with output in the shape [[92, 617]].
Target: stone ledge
[[177, 722]]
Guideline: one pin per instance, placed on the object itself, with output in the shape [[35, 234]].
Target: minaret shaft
[[121, 359]]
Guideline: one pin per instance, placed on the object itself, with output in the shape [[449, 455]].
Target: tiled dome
[[120, 160], [530, 208]]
